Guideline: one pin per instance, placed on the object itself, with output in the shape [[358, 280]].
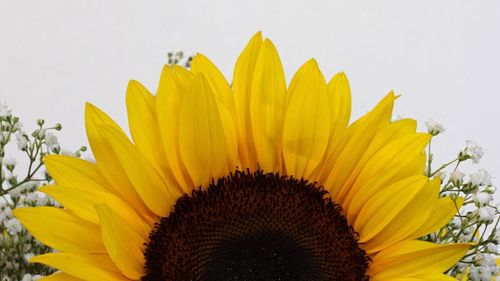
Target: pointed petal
[[225, 102], [386, 205], [168, 100], [242, 85], [267, 107], [442, 213], [202, 143], [339, 93], [90, 267], [413, 258], [72, 171], [340, 100], [346, 158], [144, 125], [82, 203], [107, 159], [409, 166], [124, 245], [61, 230], [307, 121], [401, 227], [387, 157], [148, 183]]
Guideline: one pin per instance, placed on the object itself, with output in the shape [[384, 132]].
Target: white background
[[442, 56]]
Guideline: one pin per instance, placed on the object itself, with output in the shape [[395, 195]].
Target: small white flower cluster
[[481, 267], [472, 151], [17, 246], [477, 221]]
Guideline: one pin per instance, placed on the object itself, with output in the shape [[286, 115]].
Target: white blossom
[[482, 198], [486, 214], [21, 140], [441, 175], [68, 153], [51, 141], [29, 277], [27, 257], [13, 226], [457, 177], [456, 223], [481, 177], [473, 151], [434, 127], [4, 110]]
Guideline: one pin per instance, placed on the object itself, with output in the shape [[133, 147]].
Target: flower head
[[253, 181]]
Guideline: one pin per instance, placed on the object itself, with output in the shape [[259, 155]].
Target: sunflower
[[255, 181]]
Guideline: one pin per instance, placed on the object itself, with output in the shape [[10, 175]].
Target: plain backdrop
[[442, 56]]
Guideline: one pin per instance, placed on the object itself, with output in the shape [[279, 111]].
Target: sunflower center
[[255, 227]]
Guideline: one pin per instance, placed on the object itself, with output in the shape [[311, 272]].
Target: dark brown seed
[[255, 227]]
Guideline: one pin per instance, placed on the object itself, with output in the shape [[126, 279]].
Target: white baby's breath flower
[[479, 273], [482, 198], [27, 257], [441, 175], [68, 153], [457, 177], [4, 110], [492, 247], [434, 127], [481, 177], [21, 140], [52, 141], [486, 214], [13, 226], [455, 223], [29, 277], [472, 151]]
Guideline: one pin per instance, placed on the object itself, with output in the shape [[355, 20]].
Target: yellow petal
[[442, 213], [60, 276], [386, 205], [307, 121], [410, 217], [267, 107], [346, 158], [225, 101], [107, 159], [242, 87], [407, 166], [61, 230], [414, 258], [124, 245], [340, 100], [82, 202], [144, 125], [183, 77], [89, 267], [148, 183], [168, 100], [71, 171], [339, 93], [389, 156], [202, 143]]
